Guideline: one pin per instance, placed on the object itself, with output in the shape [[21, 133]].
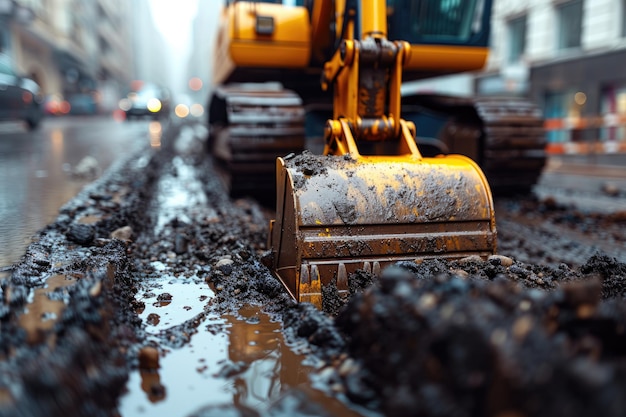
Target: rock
[[610, 189], [181, 244], [88, 167], [459, 273], [149, 358], [83, 234], [224, 261], [96, 289], [503, 260], [470, 259], [225, 265], [123, 233]]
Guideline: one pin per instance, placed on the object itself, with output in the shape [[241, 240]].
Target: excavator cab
[[372, 199]]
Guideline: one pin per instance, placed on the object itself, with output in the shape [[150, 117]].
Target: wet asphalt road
[[41, 170]]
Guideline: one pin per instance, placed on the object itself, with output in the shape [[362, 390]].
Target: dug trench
[[148, 296]]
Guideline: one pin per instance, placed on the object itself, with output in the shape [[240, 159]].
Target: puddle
[[177, 194], [42, 313], [270, 366], [156, 133], [184, 298], [233, 359]]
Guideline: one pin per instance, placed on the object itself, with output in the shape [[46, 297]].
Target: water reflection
[[237, 359], [271, 366], [156, 132]]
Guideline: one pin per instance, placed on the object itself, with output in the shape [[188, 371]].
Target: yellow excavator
[[371, 198]]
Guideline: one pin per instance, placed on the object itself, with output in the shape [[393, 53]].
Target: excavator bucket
[[336, 214]]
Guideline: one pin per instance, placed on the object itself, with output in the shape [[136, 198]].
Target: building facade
[[69, 47], [566, 55]]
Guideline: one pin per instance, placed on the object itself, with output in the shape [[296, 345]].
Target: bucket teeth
[[376, 269], [342, 281], [367, 267], [310, 286]]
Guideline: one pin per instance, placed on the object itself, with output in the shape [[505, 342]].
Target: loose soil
[[148, 296]]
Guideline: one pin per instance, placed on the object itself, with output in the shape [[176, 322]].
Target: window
[[570, 18], [517, 39], [433, 21]]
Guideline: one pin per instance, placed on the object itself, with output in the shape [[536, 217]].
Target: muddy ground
[[148, 296]]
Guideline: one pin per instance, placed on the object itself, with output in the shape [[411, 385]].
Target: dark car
[[149, 100], [20, 97]]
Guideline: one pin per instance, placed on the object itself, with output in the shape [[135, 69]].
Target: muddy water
[[42, 312], [178, 194], [231, 359]]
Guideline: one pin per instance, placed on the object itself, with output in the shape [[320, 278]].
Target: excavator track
[[250, 126], [505, 136]]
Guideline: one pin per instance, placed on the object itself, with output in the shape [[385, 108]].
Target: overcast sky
[[174, 18]]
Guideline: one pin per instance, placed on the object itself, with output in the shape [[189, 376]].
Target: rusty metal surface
[[264, 121], [343, 214]]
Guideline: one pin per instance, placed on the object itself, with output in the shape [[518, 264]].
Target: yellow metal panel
[[269, 55], [289, 46], [446, 58]]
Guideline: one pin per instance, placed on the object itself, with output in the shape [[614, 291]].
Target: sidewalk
[[592, 182], [596, 165]]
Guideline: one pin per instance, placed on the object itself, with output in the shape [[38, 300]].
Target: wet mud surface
[[147, 296]]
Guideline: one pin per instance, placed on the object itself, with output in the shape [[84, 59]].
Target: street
[[590, 182], [149, 293], [297, 208], [38, 170]]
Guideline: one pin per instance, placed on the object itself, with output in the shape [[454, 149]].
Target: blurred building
[[69, 47], [115, 66], [567, 56], [564, 55]]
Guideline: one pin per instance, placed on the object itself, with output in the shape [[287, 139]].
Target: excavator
[[294, 73]]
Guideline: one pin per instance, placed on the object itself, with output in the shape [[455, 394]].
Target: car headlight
[[154, 105]]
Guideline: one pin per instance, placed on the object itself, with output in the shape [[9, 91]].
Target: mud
[[168, 309]]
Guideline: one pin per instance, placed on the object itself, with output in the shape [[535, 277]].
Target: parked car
[[149, 100], [20, 97]]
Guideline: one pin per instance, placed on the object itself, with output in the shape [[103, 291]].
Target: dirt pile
[[430, 341]]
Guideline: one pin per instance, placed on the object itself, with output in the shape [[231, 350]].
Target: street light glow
[[195, 84]]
